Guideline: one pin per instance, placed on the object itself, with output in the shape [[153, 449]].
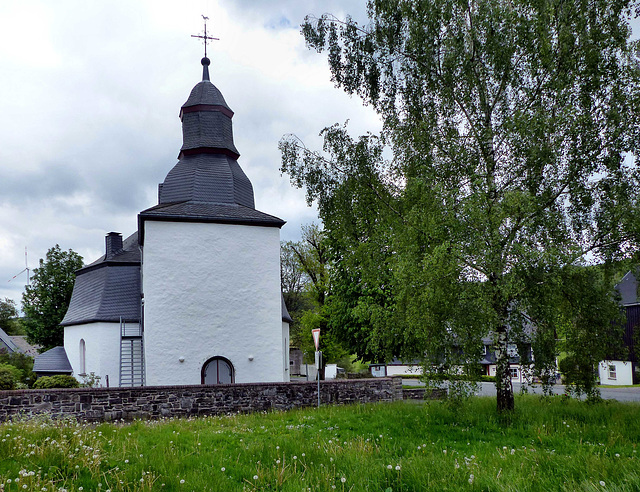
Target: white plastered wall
[[404, 370], [102, 350], [623, 372], [212, 290]]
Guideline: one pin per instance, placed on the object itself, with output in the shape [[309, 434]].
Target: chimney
[[113, 242]]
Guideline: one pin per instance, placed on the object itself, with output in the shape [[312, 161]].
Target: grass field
[[544, 445]]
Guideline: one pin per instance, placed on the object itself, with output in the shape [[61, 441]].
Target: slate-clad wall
[[150, 402]]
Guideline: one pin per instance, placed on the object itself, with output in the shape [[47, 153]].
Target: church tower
[[212, 309]]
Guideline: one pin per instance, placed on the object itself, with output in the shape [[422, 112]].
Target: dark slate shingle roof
[[205, 93], [130, 253], [107, 293], [628, 289], [285, 311], [208, 129], [215, 178], [54, 360], [107, 290], [210, 212]]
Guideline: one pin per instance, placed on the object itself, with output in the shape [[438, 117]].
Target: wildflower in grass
[[389, 467], [255, 477], [471, 477], [222, 469], [513, 451], [343, 479], [397, 467], [602, 483]]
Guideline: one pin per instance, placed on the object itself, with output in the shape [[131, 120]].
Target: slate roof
[[285, 311], [211, 129], [215, 178], [107, 289], [6, 342], [628, 289], [207, 184], [52, 361], [207, 212], [205, 93], [25, 347]]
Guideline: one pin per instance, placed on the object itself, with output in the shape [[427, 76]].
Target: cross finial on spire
[[205, 37]]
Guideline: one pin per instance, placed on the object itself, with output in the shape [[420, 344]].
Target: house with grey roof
[[622, 368], [193, 296]]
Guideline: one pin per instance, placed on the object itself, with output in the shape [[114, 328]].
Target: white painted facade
[[212, 290], [615, 372], [99, 343]]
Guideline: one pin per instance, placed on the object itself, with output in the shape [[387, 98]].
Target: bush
[[23, 362], [488, 379], [57, 381], [9, 377]]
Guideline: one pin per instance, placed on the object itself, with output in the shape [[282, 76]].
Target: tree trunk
[[504, 388]]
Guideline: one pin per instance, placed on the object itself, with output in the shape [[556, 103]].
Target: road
[[489, 389]]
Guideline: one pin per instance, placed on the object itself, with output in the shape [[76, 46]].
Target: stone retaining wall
[[150, 402], [422, 394]]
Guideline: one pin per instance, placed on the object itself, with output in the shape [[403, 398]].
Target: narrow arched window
[[217, 370], [83, 355]]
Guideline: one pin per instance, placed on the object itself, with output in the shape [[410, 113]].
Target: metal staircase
[[131, 354]]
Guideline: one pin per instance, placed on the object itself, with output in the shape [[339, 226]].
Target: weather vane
[[205, 37]]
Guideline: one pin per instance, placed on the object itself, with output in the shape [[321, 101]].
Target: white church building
[[193, 296]]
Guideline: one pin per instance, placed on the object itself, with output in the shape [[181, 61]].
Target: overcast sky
[[89, 99], [90, 94]]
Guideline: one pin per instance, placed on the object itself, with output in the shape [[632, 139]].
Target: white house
[[193, 296], [621, 370]]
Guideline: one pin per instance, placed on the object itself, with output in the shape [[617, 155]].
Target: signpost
[[316, 340]]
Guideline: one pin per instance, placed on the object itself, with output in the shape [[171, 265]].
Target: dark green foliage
[[22, 362], [306, 286], [8, 311], [46, 300], [513, 126], [9, 377], [57, 381]]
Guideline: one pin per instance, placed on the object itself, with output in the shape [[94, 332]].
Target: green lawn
[[544, 445]]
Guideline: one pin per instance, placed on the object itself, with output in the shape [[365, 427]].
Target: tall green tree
[[46, 300], [305, 264], [514, 126], [8, 311]]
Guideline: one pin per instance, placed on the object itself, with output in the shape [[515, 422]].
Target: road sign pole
[[318, 365], [316, 340]]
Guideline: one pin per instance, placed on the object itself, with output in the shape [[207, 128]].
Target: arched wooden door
[[217, 370]]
